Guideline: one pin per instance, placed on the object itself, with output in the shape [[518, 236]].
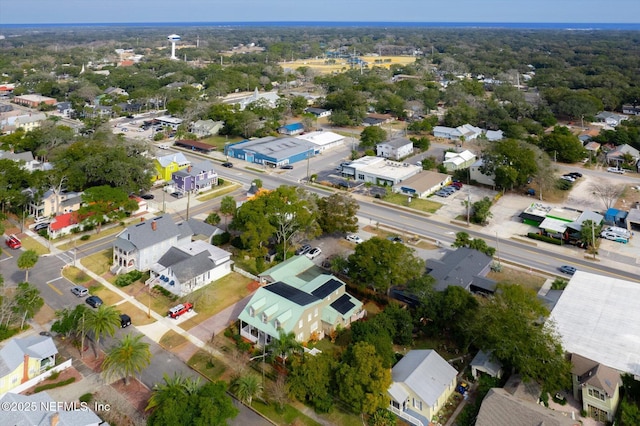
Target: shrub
[[53, 375], [558, 284], [86, 398], [123, 280], [221, 239], [544, 238], [54, 385], [165, 293], [85, 237], [220, 181]]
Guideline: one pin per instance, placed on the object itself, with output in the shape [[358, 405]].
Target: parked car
[[304, 249], [79, 291], [177, 194], [93, 301], [566, 269], [611, 236], [395, 239], [615, 170], [354, 239], [568, 178], [13, 242], [442, 193], [125, 320], [180, 309], [147, 196], [313, 253], [227, 165], [287, 167], [457, 185], [575, 174], [41, 226]]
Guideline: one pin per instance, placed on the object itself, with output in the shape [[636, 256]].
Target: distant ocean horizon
[[576, 26]]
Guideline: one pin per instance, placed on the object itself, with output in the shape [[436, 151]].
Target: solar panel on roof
[[343, 304], [298, 297], [327, 288]]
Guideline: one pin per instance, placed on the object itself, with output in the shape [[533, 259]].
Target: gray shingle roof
[[12, 354], [141, 235], [595, 374], [460, 268], [38, 417]]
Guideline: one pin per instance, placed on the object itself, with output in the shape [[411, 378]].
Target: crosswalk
[[66, 257]]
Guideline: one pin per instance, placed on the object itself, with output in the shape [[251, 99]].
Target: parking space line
[[53, 287]]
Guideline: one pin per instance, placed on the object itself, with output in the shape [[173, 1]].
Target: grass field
[[426, 206], [323, 66], [29, 243], [516, 276], [226, 188], [99, 262]]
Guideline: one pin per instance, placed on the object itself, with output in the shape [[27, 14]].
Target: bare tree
[[607, 191]]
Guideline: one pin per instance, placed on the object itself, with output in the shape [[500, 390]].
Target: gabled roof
[[287, 269], [620, 150], [425, 373], [463, 156], [26, 156], [177, 157], [143, 234], [595, 374], [37, 416], [36, 347], [396, 143], [459, 268], [62, 221], [487, 363], [293, 126], [500, 408], [192, 260], [201, 228]]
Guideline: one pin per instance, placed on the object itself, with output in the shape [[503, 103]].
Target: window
[[596, 394], [309, 317], [300, 324], [264, 318], [252, 311], [315, 312], [360, 176]]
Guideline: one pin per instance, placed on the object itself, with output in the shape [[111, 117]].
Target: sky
[[158, 11]]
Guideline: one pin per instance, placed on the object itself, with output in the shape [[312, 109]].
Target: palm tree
[[27, 301], [128, 357], [102, 321], [247, 387], [172, 388], [26, 261], [283, 346]]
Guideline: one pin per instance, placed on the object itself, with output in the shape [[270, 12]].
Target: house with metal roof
[[395, 149], [45, 411], [304, 301], [271, 151], [318, 112], [486, 363], [168, 164], [205, 128], [476, 174], [458, 160], [24, 358], [188, 267], [610, 118], [596, 386], [422, 381], [291, 129]]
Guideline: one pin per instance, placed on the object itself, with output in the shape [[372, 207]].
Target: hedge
[[544, 238], [54, 385]]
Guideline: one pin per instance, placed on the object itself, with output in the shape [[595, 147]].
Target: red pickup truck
[[13, 242], [180, 309]]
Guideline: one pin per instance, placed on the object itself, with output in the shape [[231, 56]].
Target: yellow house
[[25, 358], [168, 164], [597, 387]]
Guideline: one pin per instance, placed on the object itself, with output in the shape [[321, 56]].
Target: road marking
[[53, 287]]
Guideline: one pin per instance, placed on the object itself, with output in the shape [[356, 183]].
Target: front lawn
[[523, 278], [219, 191], [419, 204], [29, 243], [207, 365], [99, 262]]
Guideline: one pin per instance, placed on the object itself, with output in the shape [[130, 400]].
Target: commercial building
[[33, 101], [271, 151], [395, 149], [323, 141], [379, 171]]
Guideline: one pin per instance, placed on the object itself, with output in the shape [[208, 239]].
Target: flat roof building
[[379, 171], [32, 101], [323, 140], [272, 151]]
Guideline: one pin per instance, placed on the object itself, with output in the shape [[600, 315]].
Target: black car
[[575, 175], [93, 301], [147, 196], [125, 320], [41, 226], [227, 165], [287, 167]]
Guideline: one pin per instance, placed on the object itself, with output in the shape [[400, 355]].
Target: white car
[[354, 239], [615, 170], [313, 253], [568, 178]]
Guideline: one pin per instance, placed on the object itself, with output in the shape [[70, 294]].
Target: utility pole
[[468, 204], [188, 202], [498, 248], [308, 160]]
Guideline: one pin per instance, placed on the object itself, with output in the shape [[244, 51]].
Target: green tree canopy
[[371, 136], [128, 357], [105, 201], [337, 213], [311, 380], [27, 302], [563, 145], [26, 261]]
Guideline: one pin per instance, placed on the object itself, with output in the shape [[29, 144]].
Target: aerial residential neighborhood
[[320, 228]]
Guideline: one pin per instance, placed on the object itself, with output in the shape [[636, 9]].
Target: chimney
[[154, 225], [55, 419], [142, 219], [189, 169], [25, 368]]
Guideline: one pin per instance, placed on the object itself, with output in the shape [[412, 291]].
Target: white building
[[168, 121], [458, 160], [475, 174], [379, 171], [423, 184], [395, 149], [323, 140]]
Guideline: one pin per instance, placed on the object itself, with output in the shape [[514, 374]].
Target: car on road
[[13, 242], [227, 164], [125, 320], [615, 170], [93, 301], [177, 194], [147, 196], [566, 269], [79, 291], [287, 167], [41, 226], [313, 253], [180, 309], [304, 249], [354, 239]]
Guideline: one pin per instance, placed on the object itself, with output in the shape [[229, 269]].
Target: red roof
[[64, 220]]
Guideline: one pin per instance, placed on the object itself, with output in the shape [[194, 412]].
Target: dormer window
[[264, 318]]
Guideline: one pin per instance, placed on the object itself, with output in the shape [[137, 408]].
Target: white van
[[163, 146], [618, 231]]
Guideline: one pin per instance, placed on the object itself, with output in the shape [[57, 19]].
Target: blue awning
[[409, 190]]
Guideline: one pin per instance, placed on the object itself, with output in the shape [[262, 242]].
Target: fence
[[42, 377]]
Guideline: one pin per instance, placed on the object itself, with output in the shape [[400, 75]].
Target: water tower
[[173, 38]]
